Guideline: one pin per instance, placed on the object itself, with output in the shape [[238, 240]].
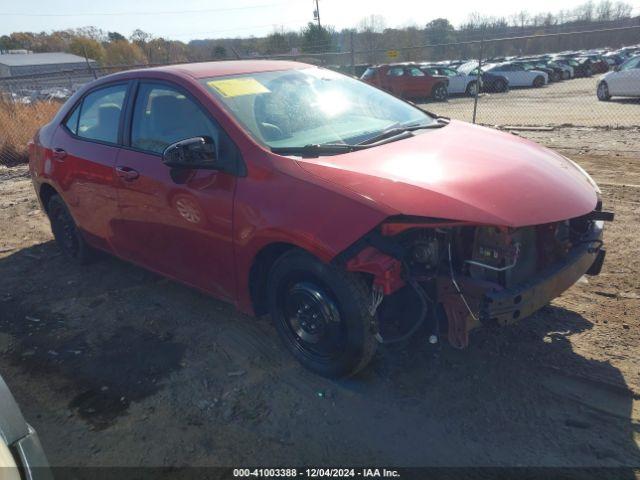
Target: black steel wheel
[[321, 314], [66, 233]]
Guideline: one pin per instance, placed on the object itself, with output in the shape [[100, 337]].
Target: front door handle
[[127, 173], [59, 154]]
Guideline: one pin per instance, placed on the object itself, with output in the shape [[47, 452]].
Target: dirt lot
[[117, 366], [571, 102]]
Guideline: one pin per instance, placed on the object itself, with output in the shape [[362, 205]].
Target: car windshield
[[312, 106]]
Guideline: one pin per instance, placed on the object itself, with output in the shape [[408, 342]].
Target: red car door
[[176, 222], [396, 81], [85, 148], [416, 82]]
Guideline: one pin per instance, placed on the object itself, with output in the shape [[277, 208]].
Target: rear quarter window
[[369, 73]]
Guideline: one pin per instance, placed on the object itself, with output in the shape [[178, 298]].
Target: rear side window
[[369, 73], [164, 115], [396, 72], [72, 120], [415, 72], [631, 64], [100, 114]]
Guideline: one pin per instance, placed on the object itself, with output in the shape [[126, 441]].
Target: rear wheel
[[321, 314], [66, 233], [439, 92], [500, 85], [538, 81], [472, 88], [603, 92]]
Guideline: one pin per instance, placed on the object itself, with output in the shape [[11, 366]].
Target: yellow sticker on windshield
[[235, 87]]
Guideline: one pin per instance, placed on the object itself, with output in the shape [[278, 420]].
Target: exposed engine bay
[[455, 276]]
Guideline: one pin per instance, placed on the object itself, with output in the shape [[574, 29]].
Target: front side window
[[311, 106], [100, 114], [163, 115]]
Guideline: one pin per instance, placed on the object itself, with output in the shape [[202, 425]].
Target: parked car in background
[[459, 82], [518, 76], [491, 82], [581, 68], [352, 217], [21, 455], [624, 81], [598, 63], [407, 80], [553, 75], [614, 59]]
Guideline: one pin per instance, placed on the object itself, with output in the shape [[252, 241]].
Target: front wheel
[[439, 92], [603, 92], [321, 314], [538, 81]]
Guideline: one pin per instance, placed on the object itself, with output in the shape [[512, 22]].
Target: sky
[[188, 19]]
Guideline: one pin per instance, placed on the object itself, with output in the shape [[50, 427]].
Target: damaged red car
[[350, 216]]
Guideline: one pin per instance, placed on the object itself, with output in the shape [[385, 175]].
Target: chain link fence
[[571, 93]]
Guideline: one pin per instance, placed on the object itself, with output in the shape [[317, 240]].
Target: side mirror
[[192, 153]]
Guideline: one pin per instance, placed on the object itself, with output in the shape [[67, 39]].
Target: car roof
[[232, 67]]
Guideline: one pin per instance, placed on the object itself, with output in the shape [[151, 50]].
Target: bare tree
[[370, 29]]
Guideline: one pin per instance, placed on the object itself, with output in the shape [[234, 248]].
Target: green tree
[[219, 52], [439, 30], [115, 36], [316, 39], [276, 42]]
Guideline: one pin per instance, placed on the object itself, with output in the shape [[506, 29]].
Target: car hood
[[463, 172]]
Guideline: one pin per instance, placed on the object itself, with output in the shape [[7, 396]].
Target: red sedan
[[352, 217], [408, 81]]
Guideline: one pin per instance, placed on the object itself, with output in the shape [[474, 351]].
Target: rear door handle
[[59, 154], [127, 173]]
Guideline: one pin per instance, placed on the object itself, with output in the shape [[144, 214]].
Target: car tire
[[555, 77], [602, 92], [321, 314], [439, 92], [66, 234], [566, 75], [500, 85], [472, 88], [538, 81]]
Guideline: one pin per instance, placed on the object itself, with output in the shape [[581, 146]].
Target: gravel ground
[[571, 102], [114, 365]]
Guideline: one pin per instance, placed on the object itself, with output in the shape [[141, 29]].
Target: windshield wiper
[[314, 150], [398, 133], [389, 135]]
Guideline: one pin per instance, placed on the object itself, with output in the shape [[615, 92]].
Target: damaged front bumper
[[494, 304], [459, 301], [506, 306]]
